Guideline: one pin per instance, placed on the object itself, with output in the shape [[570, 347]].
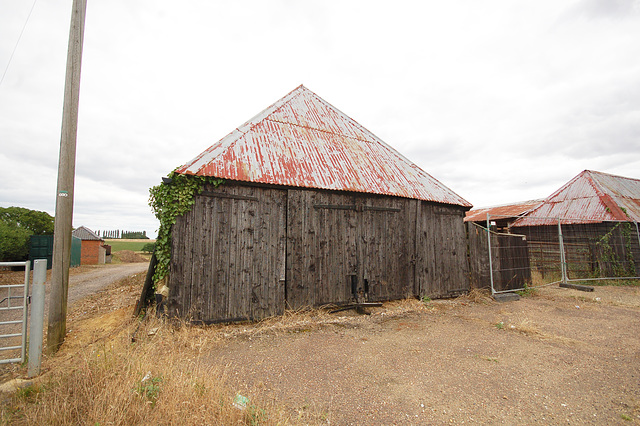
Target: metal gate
[[14, 313]]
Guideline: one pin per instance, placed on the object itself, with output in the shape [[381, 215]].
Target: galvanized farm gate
[[14, 311]]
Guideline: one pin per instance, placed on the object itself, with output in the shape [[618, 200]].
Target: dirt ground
[[560, 357]]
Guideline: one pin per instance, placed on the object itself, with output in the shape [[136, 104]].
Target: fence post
[[493, 291], [37, 317], [637, 234], [25, 308], [563, 261]]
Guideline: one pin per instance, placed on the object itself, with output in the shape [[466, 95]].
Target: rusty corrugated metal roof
[[589, 197], [503, 211], [303, 141]]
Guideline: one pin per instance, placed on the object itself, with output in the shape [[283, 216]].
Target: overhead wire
[[17, 42]]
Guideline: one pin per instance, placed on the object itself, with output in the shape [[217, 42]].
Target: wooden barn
[[314, 210], [599, 215]]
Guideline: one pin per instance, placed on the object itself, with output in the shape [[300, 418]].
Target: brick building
[[93, 251]]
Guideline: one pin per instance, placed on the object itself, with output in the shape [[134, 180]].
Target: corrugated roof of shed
[[303, 141], [85, 234], [502, 211], [589, 197]]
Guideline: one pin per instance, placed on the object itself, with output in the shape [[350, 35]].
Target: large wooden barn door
[[322, 258], [343, 248], [228, 258], [388, 247], [441, 261]]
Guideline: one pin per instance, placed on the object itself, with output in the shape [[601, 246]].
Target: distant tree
[[17, 224], [37, 222], [134, 235], [149, 247]]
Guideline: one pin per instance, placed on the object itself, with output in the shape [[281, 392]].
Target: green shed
[[41, 247]]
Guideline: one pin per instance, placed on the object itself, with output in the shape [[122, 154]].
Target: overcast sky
[[502, 101]]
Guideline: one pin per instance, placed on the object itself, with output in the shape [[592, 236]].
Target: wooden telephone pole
[[66, 177]]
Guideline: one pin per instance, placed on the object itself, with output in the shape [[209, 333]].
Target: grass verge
[[104, 376]]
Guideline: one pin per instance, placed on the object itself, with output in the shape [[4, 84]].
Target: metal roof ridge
[[611, 175], [605, 197]]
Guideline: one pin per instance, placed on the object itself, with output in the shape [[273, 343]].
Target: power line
[[17, 42]]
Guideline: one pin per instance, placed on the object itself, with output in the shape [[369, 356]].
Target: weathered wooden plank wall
[[442, 253], [514, 267], [246, 252], [228, 255]]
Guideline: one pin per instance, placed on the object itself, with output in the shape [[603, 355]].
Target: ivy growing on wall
[[169, 201], [626, 235], [620, 268]]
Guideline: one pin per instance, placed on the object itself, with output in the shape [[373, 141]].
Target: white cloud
[[501, 101]]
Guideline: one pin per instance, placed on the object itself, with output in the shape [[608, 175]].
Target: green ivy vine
[[626, 235], [608, 256], [169, 201]]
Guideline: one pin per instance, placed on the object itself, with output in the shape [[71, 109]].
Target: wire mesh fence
[[552, 250]]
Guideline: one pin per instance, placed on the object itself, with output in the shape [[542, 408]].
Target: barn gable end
[[303, 141], [315, 210]]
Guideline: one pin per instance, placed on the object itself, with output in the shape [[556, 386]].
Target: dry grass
[[477, 295], [538, 280], [118, 370], [157, 380], [101, 377], [527, 327], [114, 369]]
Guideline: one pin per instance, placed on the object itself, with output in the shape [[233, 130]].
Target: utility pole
[[66, 177]]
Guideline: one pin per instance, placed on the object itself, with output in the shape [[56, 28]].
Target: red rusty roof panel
[[503, 211], [589, 197], [303, 141]]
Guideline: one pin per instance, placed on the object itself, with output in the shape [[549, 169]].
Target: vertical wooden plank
[[174, 302], [198, 237], [222, 278]]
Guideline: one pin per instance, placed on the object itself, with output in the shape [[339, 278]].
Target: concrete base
[[577, 287], [506, 297]]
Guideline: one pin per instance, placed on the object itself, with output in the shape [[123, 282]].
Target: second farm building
[[314, 210]]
